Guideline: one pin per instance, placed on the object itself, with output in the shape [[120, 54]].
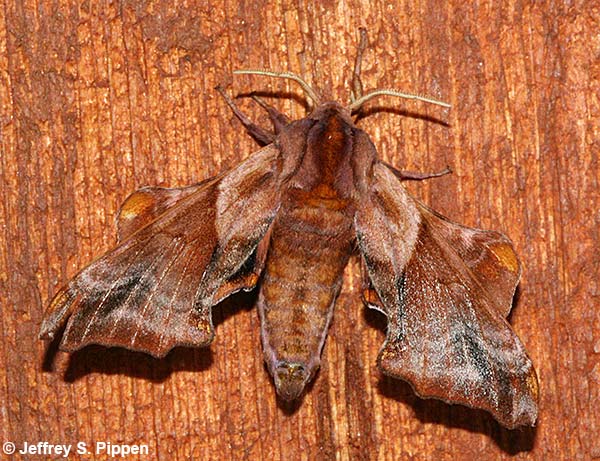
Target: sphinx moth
[[285, 221]]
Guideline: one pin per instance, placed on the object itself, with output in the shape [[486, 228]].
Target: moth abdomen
[[308, 251]]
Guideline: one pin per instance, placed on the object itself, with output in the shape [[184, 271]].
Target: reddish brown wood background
[[100, 98]]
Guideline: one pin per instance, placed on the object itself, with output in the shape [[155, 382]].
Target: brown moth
[[286, 220]]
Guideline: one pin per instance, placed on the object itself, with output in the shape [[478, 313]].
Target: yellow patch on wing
[[137, 204], [506, 256], [61, 298], [532, 384], [386, 358], [204, 326]]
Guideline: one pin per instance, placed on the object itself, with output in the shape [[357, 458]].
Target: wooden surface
[[100, 98]]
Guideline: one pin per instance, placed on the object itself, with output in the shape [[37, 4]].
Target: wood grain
[[100, 98]]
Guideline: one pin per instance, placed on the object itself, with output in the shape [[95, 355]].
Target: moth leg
[[263, 136], [357, 88], [416, 175], [278, 119]]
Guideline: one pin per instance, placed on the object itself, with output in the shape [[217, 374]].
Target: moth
[[286, 221]]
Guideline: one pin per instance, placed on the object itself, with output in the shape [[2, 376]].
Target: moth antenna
[[312, 94], [360, 101], [356, 91]]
